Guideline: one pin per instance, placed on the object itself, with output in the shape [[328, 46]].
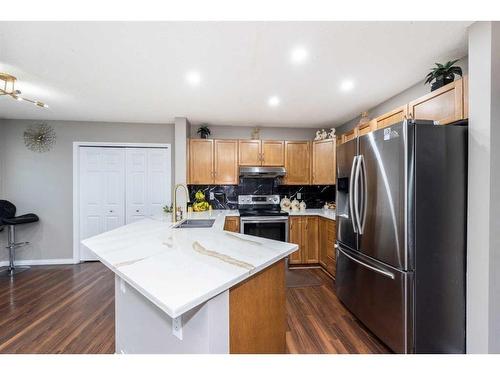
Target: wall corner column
[[483, 232]]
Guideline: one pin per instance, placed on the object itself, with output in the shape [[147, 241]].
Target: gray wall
[[245, 132], [42, 183], [2, 158], [483, 235], [397, 100]]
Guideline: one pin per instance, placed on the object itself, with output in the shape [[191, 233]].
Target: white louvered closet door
[[102, 192]]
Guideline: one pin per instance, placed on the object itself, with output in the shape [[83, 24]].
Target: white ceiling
[[136, 71]]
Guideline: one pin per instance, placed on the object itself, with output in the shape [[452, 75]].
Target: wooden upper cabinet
[[465, 84], [226, 162], [367, 128], [297, 162], [273, 153], [250, 152], [392, 117], [352, 134], [201, 161], [445, 104], [323, 162]]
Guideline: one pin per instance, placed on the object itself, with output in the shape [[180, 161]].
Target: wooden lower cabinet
[[232, 224], [296, 225], [327, 236], [257, 315], [303, 230], [310, 236], [316, 239]]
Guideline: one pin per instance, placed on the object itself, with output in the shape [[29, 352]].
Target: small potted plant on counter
[[203, 131], [443, 74]]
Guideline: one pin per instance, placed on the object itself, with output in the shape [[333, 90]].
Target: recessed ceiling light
[[299, 55], [273, 101], [193, 78], [347, 85]]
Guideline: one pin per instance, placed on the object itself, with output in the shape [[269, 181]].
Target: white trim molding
[[39, 262]]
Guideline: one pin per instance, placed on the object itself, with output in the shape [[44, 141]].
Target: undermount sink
[[195, 223]]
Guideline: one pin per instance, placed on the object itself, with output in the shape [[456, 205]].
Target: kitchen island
[[197, 290]]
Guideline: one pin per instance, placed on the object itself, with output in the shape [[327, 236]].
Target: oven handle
[[260, 219]]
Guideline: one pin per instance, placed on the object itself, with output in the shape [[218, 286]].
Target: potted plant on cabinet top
[[443, 74], [203, 131]]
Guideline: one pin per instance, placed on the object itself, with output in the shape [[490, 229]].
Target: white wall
[[245, 132], [42, 183], [406, 96], [483, 245]]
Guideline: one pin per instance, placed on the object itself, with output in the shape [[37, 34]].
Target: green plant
[[203, 131], [444, 72], [168, 209]]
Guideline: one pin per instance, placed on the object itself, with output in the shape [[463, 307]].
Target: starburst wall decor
[[39, 138]]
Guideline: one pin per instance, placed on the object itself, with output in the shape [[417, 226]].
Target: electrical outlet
[[177, 327], [299, 195], [212, 196]]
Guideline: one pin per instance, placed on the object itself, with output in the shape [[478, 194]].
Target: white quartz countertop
[[328, 214], [178, 269]]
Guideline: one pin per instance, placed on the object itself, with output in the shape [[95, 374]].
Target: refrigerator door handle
[[356, 195], [375, 269], [351, 194], [365, 194]]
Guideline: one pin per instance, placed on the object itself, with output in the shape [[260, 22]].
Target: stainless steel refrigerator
[[401, 234]]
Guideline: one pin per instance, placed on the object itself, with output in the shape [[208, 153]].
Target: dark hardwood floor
[[319, 323], [70, 309]]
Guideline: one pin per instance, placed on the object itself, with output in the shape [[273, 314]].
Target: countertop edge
[[202, 299]]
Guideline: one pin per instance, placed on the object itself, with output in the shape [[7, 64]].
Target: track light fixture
[[7, 87]]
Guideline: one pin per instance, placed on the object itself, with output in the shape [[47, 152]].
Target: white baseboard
[[39, 262]]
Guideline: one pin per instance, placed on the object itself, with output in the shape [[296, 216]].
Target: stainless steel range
[[261, 215]]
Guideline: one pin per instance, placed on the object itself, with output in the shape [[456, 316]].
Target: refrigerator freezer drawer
[[377, 295]]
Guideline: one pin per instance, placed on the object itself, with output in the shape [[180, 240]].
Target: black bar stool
[[9, 219]]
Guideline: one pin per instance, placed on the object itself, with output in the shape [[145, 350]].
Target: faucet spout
[[174, 207]]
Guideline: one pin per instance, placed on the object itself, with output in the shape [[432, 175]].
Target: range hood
[[262, 172]]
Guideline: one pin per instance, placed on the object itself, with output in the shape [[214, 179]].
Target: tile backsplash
[[226, 196]]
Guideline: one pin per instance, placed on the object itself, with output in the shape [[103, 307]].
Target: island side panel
[[257, 315], [142, 328]]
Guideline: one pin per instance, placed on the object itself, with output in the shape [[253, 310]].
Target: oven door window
[[273, 231]]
